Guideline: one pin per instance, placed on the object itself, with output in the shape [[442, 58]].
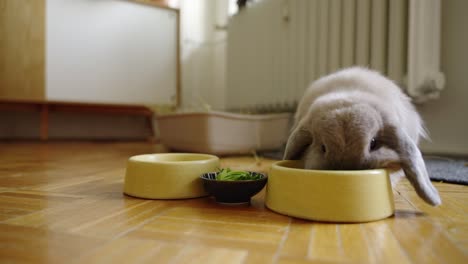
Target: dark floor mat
[[447, 169]]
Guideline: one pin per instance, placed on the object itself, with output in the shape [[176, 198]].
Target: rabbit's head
[[352, 136]]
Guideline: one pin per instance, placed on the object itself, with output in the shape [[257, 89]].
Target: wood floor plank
[[123, 221], [325, 243], [298, 240], [62, 202], [355, 244], [228, 231], [229, 215], [122, 251], [20, 244], [253, 246], [383, 244], [19, 203], [197, 254], [74, 215], [425, 242]]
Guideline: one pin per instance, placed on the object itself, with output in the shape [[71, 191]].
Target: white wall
[[203, 50], [112, 51], [447, 118]]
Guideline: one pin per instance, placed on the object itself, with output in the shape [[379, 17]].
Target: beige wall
[[447, 118]]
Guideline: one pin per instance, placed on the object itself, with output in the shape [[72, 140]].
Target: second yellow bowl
[[327, 195]]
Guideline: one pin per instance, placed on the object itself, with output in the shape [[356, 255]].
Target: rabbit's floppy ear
[[413, 165], [298, 141]]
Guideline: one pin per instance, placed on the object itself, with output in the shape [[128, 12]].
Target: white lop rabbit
[[358, 119]]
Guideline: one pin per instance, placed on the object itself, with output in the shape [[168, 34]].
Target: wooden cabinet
[[22, 46]]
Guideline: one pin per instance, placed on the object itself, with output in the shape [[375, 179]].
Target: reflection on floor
[[63, 202]]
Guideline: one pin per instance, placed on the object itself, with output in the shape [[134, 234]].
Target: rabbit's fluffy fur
[[358, 119]]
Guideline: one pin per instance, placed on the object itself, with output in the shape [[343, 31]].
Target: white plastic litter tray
[[223, 133]]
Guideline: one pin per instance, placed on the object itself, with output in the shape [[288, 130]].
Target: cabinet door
[[111, 52], [22, 49]]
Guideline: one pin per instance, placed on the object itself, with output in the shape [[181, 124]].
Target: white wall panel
[[110, 51]]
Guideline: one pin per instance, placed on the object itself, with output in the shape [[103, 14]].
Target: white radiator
[[276, 48]]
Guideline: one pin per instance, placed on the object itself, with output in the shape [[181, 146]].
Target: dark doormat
[[439, 168], [447, 169]]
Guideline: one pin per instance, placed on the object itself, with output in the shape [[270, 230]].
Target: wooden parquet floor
[[63, 203]]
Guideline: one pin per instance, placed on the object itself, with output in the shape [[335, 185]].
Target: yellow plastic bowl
[[168, 175], [327, 195]]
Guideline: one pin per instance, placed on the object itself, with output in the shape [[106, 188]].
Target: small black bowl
[[233, 192]]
